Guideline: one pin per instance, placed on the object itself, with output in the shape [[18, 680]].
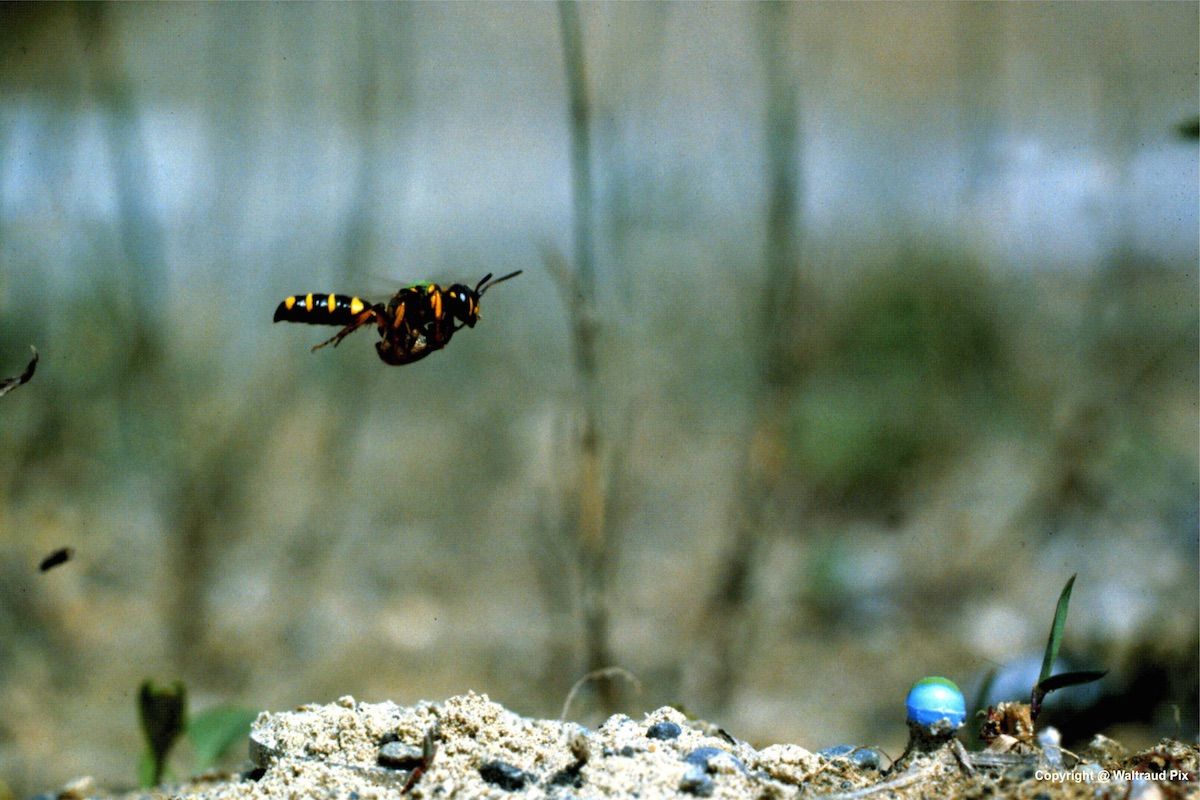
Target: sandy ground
[[470, 747]]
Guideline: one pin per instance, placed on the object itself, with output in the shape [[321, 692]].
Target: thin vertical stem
[[590, 504], [759, 475], [580, 131]]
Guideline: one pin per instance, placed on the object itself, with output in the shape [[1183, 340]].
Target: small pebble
[[398, 755], [1051, 741], [836, 751], [569, 776], [1107, 749], [504, 775], [627, 751], [702, 755], [1142, 789], [78, 789], [861, 757], [696, 781], [663, 730]]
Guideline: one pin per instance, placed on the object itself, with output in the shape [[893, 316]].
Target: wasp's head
[[462, 304]]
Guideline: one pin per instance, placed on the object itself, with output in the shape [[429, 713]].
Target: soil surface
[[470, 747]]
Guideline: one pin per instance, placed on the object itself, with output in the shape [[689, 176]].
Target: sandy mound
[[470, 747]]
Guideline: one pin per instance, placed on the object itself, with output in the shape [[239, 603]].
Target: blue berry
[[934, 699]]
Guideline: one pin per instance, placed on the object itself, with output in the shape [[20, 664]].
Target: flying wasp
[[418, 320]]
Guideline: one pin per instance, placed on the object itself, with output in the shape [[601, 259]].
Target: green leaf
[[1066, 679], [1056, 631], [217, 730]]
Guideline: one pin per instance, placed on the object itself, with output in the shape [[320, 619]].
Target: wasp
[[418, 320]]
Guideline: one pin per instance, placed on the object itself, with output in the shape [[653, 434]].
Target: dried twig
[[588, 500], [908, 778], [598, 674]]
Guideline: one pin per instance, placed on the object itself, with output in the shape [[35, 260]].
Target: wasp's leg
[[362, 319], [398, 356], [404, 346]]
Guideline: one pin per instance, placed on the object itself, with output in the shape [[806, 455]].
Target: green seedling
[[1019, 720], [1046, 682], [164, 717], [163, 711]]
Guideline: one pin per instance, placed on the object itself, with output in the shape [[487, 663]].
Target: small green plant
[[1046, 682], [163, 712], [164, 718], [1019, 720]]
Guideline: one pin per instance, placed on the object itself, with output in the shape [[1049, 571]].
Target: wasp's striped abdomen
[[321, 309]]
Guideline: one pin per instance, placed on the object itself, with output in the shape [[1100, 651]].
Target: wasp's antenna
[[484, 284]]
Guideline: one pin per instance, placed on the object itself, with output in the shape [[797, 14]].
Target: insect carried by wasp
[[417, 320]]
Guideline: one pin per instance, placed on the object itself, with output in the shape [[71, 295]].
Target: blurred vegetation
[[959, 422], [913, 363], [165, 718]]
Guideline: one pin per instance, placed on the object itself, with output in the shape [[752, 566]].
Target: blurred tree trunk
[[140, 231], [235, 44], [1120, 107], [340, 431], [980, 54], [136, 302], [759, 477], [210, 483], [588, 502], [358, 233], [616, 131]]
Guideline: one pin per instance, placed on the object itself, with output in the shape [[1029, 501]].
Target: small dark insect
[[417, 320], [8, 384], [60, 556]]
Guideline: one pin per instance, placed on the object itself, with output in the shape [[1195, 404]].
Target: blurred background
[[847, 333]]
